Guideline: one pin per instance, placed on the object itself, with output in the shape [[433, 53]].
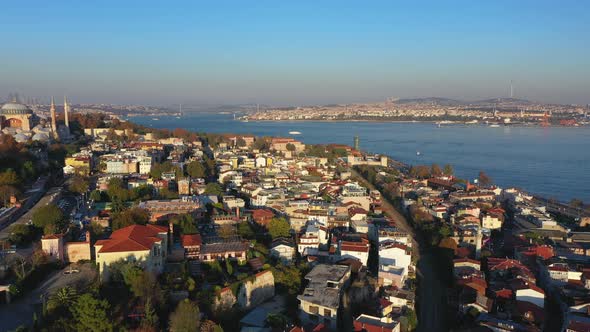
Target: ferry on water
[[294, 133]]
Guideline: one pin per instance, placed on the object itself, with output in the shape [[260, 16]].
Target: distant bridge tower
[[356, 142], [511, 89]]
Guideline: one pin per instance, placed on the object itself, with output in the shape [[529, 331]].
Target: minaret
[[66, 111], [53, 120]]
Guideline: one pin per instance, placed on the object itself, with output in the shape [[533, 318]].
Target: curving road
[[431, 294]]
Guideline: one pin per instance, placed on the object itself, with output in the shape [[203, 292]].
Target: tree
[[279, 227], [21, 234], [96, 230], [9, 183], [96, 196], [150, 320], [245, 230], [261, 144], [228, 267], [186, 223], [195, 169], [63, 298], [290, 147], [185, 318], [92, 314], [116, 191], [576, 203], [78, 184], [226, 231], [448, 243], [240, 142], [448, 170], [143, 284], [6, 192], [213, 188], [420, 171], [50, 219], [130, 217], [435, 170], [484, 179]]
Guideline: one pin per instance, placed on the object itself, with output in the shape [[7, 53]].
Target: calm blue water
[[553, 162]]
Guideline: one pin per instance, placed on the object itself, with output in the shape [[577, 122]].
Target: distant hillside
[[432, 100], [501, 100]]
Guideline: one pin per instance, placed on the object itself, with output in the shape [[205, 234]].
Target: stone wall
[[256, 291]]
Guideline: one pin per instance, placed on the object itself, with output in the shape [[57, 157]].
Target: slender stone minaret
[[53, 120], [66, 111]]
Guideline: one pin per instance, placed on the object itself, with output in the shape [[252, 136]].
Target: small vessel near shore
[[155, 119], [494, 125], [418, 153], [294, 133]]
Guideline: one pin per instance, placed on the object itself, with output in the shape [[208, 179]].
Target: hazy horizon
[[288, 54]]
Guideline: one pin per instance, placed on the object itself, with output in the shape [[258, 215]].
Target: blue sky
[[294, 52]]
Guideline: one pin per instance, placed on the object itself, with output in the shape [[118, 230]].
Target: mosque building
[[23, 124]]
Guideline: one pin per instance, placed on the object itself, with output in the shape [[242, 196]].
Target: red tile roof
[[191, 240], [132, 238]]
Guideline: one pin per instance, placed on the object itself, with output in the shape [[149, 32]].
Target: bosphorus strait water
[[553, 162]]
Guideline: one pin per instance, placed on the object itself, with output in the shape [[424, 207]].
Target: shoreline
[[479, 124]]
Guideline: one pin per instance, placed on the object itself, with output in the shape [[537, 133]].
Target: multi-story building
[[144, 245], [321, 298]]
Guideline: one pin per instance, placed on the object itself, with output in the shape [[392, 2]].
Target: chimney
[[238, 213], [88, 236]]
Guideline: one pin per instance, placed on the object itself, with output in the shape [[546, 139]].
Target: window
[[314, 309], [327, 312]]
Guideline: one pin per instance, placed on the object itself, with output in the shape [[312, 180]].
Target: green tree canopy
[[186, 223], [196, 169], [63, 298], [130, 217], [245, 230], [240, 142], [117, 191], [448, 170], [213, 188], [185, 317], [279, 227], [78, 184], [92, 314], [50, 218]]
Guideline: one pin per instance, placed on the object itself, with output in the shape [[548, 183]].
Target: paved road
[[431, 293], [565, 209], [21, 311], [49, 197]]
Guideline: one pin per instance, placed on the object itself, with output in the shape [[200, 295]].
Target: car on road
[[71, 271]]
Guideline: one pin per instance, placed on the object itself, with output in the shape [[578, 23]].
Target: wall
[[77, 251], [257, 291]]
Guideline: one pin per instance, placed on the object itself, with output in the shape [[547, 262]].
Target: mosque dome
[[40, 137], [14, 108], [21, 138]]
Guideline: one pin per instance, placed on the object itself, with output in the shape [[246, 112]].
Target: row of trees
[[423, 172]]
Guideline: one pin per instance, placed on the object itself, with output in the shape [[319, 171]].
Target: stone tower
[[66, 111], [53, 120]]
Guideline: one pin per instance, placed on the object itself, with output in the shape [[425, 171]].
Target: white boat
[[155, 119], [494, 125], [417, 153], [294, 133]]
